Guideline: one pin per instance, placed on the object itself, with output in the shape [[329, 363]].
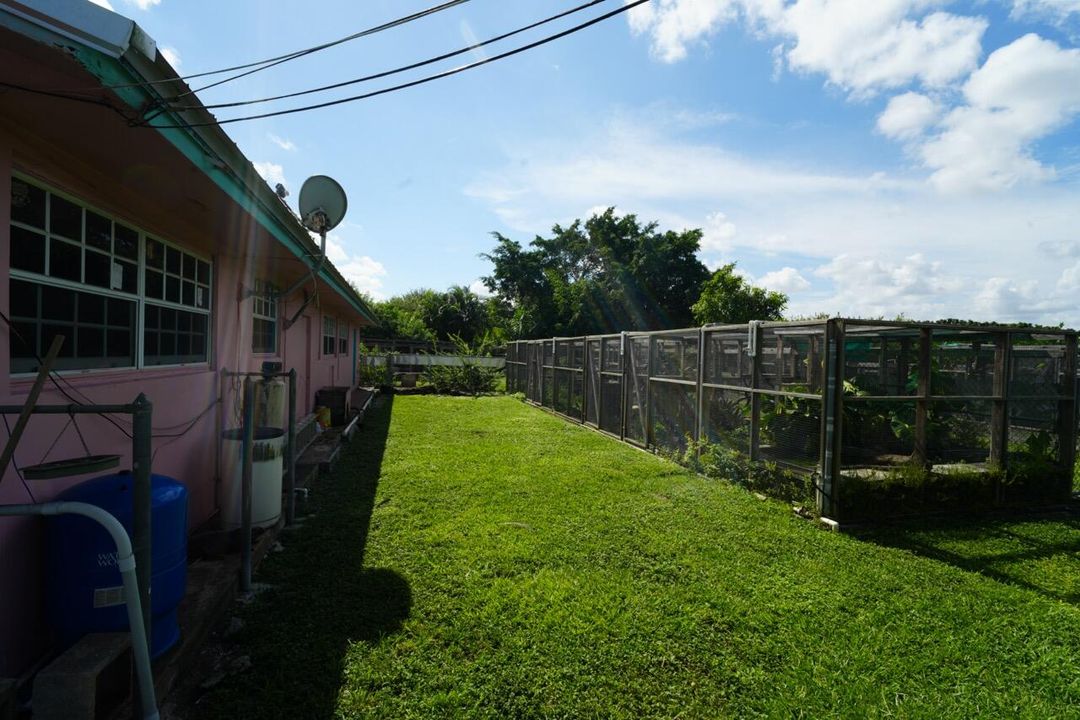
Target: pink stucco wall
[[241, 251]]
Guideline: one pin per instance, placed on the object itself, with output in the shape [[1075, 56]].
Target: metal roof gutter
[[117, 51]]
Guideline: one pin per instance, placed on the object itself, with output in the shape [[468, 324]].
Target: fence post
[[623, 355], [1067, 417], [650, 439], [827, 494], [699, 420], [753, 331], [999, 413], [922, 404]]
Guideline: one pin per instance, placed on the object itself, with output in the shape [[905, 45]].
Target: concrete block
[[90, 680]]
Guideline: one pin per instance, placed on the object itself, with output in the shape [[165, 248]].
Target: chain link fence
[[879, 418]]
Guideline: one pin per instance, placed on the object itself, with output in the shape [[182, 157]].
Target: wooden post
[[1067, 417], [922, 403]]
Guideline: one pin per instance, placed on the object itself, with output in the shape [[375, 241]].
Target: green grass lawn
[[481, 558]]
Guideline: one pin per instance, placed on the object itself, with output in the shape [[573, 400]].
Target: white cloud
[[1023, 92], [908, 116], [1054, 10], [171, 55], [804, 219], [272, 173], [143, 4], [477, 287], [104, 3], [858, 45], [717, 234], [363, 271], [874, 287], [786, 280], [283, 143]]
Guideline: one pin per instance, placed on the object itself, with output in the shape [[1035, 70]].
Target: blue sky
[[871, 158]]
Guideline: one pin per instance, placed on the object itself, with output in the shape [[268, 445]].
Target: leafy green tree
[[727, 298], [605, 274]]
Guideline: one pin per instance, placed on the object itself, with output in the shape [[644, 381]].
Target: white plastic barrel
[[267, 467]]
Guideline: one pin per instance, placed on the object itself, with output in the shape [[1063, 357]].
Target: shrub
[[465, 379]]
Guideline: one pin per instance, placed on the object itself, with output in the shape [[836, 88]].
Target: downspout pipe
[[125, 560]]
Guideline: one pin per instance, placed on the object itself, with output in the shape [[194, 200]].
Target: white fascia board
[[79, 20]]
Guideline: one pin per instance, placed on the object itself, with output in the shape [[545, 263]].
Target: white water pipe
[[125, 560]]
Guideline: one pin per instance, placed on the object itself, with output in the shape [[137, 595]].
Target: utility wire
[[270, 62], [99, 101], [317, 48], [395, 71], [421, 81]]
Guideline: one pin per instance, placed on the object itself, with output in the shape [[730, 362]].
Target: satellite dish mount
[[322, 206]]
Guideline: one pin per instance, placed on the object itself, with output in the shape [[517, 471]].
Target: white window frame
[[329, 332], [139, 297], [265, 307]]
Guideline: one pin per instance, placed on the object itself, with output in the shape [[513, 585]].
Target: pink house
[[158, 252]]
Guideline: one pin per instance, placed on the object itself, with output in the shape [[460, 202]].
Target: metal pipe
[[290, 484], [245, 485], [126, 562], [314, 270], [141, 446]]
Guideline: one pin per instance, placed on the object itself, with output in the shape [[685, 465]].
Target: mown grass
[[480, 558]]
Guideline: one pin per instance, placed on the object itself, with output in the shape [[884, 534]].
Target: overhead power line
[[420, 81], [267, 64], [271, 62], [397, 70]]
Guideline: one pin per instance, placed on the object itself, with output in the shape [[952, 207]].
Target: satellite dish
[[322, 203]]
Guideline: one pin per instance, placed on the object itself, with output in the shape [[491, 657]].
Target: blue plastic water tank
[[84, 589]]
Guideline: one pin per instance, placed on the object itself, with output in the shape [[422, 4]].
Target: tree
[[606, 274], [728, 298]]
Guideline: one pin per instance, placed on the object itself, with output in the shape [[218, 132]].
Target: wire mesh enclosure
[[872, 418]]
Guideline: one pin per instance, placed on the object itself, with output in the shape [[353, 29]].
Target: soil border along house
[[159, 253]]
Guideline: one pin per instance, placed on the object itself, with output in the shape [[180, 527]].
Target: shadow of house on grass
[[1041, 554], [297, 634]]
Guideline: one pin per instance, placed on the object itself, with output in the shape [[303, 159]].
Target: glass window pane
[[27, 250], [155, 284], [48, 332], [24, 299], [91, 342], [121, 313], [27, 203], [91, 309], [188, 296], [189, 267], [98, 231], [172, 289], [129, 276], [127, 242], [98, 269], [168, 319], [65, 260], [155, 254], [57, 303], [119, 343], [150, 344], [172, 260], [203, 274], [65, 218], [151, 316]]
